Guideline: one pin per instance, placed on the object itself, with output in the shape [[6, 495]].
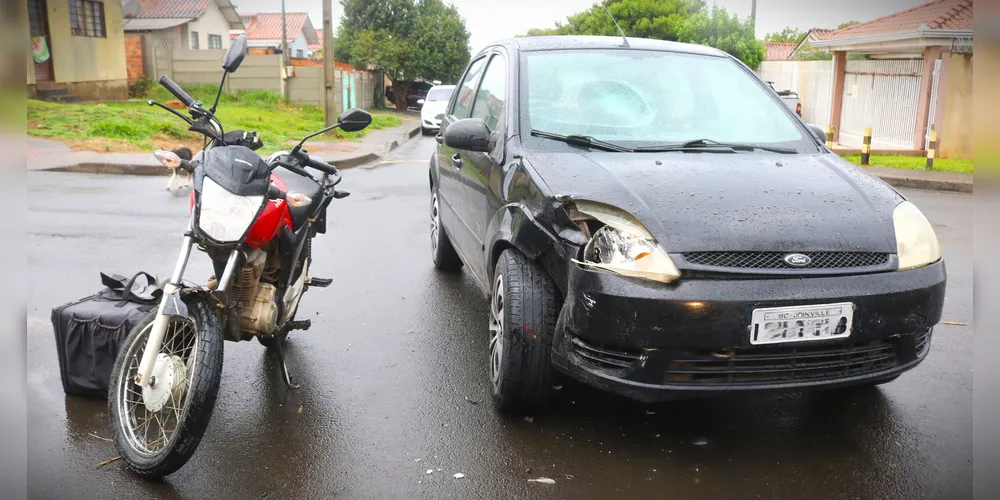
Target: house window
[[299, 53], [86, 18], [194, 39], [215, 41]]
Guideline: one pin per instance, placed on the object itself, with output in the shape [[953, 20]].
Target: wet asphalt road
[[397, 351]]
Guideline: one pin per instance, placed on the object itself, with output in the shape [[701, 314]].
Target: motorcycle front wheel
[[158, 428]]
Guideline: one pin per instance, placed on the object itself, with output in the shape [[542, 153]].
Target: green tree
[[787, 35], [407, 39], [727, 33], [848, 23], [674, 20]]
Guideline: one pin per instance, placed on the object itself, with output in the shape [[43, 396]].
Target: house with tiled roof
[[805, 50], [937, 36], [263, 32], [182, 24], [778, 51]]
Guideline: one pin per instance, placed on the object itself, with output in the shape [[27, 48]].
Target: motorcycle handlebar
[[178, 92], [319, 164]]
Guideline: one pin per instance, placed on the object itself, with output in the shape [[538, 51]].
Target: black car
[[651, 220]]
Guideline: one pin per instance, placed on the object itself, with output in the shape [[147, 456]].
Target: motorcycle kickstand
[[280, 349]]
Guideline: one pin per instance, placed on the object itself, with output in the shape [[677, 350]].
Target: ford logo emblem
[[797, 260]]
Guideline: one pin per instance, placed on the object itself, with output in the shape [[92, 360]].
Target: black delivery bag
[[90, 331]]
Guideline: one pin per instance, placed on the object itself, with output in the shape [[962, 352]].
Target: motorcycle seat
[[300, 184]]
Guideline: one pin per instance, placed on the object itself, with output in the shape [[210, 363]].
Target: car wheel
[[442, 252], [523, 309]]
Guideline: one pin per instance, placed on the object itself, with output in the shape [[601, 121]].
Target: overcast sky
[[488, 20]]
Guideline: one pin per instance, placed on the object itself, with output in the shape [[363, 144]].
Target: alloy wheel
[[435, 222], [496, 332]]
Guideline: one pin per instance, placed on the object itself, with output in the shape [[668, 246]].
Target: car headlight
[[225, 216], [624, 246], [916, 243]]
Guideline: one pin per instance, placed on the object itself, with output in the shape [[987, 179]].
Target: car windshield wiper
[[582, 140], [708, 143]]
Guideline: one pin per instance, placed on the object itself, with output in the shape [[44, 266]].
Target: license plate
[[775, 325]]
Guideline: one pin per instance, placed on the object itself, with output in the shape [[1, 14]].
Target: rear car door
[[451, 188], [489, 106]]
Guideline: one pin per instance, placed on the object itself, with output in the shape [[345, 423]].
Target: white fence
[[812, 80], [883, 95], [262, 72]]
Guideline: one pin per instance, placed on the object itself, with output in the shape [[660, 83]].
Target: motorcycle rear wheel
[[154, 444]]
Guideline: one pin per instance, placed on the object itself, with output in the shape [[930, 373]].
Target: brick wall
[[133, 56]]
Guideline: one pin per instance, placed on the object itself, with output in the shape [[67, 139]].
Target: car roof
[[442, 87], [565, 42]]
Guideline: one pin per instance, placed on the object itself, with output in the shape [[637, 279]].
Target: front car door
[[451, 186], [489, 106]]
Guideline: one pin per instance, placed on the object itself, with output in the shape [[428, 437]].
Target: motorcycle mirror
[[234, 56], [167, 158], [354, 119]]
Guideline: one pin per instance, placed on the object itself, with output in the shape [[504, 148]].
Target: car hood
[[433, 108], [734, 202]]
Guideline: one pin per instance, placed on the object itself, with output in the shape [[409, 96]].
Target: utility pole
[[286, 61], [329, 113], [753, 13]]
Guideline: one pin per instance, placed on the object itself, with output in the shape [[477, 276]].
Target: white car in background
[[434, 106]]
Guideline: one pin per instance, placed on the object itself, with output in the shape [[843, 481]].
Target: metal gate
[[883, 95]]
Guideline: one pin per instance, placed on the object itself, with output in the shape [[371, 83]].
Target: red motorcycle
[[256, 219]]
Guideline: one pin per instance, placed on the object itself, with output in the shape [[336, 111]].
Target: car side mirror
[[234, 56], [469, 134], [817, 131], [354, 119]]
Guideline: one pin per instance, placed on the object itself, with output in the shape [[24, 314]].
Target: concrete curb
[[160, 170], [929, 184], [113, 168]]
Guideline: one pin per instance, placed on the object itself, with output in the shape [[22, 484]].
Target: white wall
[[812, 80], [210, 23], [300, 43]]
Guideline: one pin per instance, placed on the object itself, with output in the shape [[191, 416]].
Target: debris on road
[[700, 442], [430, 471], [557, 387], [106, 462], [543, 480], [473, 401], [529, 419], [300, 408], [91, 434], [954, 323], [459, 475]]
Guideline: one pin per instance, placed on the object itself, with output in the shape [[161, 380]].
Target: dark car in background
[[649, 218], [417, 92]]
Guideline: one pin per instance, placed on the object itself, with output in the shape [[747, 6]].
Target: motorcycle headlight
[[916, 243], [625, 247], [225, 216]]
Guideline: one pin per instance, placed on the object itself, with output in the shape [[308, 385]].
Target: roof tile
[[159, 9], [778, 51], [267, 25], [936, 15]]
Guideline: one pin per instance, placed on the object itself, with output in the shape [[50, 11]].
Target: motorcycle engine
[[255, 300]]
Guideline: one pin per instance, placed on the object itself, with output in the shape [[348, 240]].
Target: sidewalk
[[51, 155], [924, 179]]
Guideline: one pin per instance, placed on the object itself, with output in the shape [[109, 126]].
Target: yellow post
[[829, 136], [931, 149], [866, 146]]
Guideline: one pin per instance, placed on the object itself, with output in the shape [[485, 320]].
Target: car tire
[[442, 252], [524, 305]]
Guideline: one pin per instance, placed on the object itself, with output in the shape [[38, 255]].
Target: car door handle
[[439, 138], [456, 160]]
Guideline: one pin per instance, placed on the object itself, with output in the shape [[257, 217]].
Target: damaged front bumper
[[650, 341]]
